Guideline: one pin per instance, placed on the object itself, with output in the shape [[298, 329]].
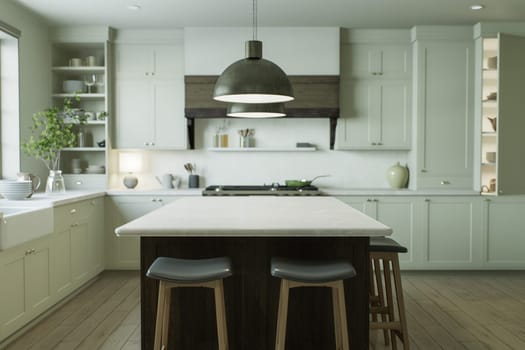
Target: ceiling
[[336, 13]]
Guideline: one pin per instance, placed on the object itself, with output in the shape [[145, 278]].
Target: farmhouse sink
[[22, 224]]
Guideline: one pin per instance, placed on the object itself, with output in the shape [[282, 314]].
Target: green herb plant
[[50, 133]]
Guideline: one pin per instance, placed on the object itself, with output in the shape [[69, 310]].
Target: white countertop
[[394, 192], [156, 192], [255, 216], [42, 200]]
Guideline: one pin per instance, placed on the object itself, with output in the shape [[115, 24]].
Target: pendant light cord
[[254, 19]]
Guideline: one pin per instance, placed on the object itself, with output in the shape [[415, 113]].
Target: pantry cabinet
[[443, 107], [123, 253], [149, 96], [499, 78], [375, 94], [26, 292]]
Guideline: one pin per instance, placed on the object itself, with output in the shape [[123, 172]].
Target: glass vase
[[55, 182]]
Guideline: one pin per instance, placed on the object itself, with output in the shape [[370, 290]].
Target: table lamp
[[130, 163]]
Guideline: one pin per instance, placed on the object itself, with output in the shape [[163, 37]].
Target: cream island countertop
[[255, 216]]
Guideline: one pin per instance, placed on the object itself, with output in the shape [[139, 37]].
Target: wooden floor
[[446, 310]]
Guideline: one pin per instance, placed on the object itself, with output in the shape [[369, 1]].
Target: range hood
[[316, 96]]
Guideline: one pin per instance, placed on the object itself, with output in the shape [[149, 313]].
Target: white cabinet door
[[123, 253], [133, 60], [399, 214], [370, 61], [504, 227], [375, 115], [25, 288], [168, 97], [135, 115], [444, 100], [80, 250], [451, 232]]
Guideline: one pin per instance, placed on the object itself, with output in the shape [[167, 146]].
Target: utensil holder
[[193, 181], [245, 141]]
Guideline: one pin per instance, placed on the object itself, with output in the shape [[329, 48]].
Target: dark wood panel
[[311, 91], [252, 294]]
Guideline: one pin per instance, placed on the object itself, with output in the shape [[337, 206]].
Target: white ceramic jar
[[397, 176]]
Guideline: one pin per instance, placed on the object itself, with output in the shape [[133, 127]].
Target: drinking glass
[[90, 80]]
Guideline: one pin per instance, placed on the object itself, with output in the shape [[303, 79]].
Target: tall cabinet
[[80, 71], [443, 107], [500, 74], [375, 90]]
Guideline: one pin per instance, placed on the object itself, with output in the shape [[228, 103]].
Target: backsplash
[[357, 169]]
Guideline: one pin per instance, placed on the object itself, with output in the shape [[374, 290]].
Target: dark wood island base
[[252, 294]]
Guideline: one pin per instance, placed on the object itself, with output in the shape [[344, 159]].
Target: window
[[9, 101]]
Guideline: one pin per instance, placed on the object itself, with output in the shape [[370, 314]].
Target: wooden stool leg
[[389, 295], [282, 315], [159, 324], [220, 314], [400, 301], [340, 324], [166, 317], [381, 295]]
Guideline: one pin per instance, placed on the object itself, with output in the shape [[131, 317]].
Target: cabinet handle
[[146, 143], [380, 144], [159, 200], [72, 211], [27, 252], [445, 182], [74, 224], [376, 200], [147, 73], [153, 199], [373, 143], [427, 200], [368, 200], [78, 182], [423, 170], [152, 143]]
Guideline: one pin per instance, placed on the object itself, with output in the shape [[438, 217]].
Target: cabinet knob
[[74, 224], [374, 144], [152, 143], [72, 211], [147, 73], [368, 200], [376, 200], [380, 144], [423, 170], [78, 182], [445, 182], [27, 252], [427, 200]]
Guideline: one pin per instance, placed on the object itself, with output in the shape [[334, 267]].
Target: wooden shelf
[[84, 149], [82, 95], [489, 133], [262, 149], [68, 69]]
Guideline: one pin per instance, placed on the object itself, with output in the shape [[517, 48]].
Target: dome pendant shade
[[253, 80], [256, 110]]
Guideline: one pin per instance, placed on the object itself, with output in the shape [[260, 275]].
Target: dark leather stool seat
[[189, 270], [384, 244], [204, 273], [311, 273]]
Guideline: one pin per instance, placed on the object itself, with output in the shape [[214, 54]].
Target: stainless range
[[264, 190]]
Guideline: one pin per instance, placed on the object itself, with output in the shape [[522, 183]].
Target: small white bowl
[[72, 86]]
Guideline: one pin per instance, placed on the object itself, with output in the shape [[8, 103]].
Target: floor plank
[[445, 310]]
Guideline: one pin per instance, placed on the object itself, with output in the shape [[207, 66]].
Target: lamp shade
[[256, 110], [130, 162], [253, 80]]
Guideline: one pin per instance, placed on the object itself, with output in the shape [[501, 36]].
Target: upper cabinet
[[443, 107], [79, 69], [375, 90], [500, 74], [149, 90]]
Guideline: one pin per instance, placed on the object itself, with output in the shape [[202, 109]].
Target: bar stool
[[384, 255], [299, 273], [174, 273]]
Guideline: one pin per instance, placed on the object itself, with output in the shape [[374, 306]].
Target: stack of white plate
[[95, 169], [15, 190]]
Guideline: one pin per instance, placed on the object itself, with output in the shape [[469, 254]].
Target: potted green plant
[[50, 133]]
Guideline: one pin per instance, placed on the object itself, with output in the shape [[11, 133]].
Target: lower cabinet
[[123, 253], [78, 244], [504, 232], [25, 289]]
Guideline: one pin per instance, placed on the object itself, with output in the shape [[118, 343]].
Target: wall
[[34, 80]]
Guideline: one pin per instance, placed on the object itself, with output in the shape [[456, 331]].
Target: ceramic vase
[[397, 176]]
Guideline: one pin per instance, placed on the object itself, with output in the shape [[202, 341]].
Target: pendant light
[[253, 79], [256, 110]]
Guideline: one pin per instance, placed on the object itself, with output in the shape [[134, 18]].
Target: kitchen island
[[250, 230]]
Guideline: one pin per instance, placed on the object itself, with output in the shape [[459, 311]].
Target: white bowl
[[72, 86]]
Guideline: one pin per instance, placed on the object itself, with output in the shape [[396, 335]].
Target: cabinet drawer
[[65, 215], [85, 182]]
